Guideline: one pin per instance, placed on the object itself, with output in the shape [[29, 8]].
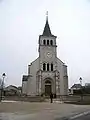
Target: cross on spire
[[47, 16]]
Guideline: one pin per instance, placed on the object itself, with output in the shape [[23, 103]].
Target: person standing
[[51, 97]]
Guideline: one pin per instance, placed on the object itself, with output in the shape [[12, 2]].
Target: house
[[11, 90], [75, 88]]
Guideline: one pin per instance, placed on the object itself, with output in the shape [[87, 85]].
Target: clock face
[[49, 54]]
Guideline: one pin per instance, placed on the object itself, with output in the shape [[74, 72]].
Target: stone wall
[[26, 99], [74, 98], [42, 99]]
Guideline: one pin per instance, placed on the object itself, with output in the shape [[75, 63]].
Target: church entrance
[[48, 87]]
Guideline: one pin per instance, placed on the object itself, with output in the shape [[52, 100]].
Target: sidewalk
[[38, 111]]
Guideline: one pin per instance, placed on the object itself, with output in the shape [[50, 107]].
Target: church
[[46, 74]]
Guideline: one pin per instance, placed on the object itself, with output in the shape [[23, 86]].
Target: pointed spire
[[47, 31]]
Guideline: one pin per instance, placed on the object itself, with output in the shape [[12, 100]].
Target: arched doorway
[[48, 87]]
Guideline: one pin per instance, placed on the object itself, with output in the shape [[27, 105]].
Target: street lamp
[[80, 81], [2, 85], [81, 88]]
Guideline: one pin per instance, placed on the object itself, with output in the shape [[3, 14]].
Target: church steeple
[[47, 31]]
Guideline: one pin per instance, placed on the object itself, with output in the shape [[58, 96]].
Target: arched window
[[44, 42], [51, 67], [47, 66], [47, 42], [51, 42], [44, 66]]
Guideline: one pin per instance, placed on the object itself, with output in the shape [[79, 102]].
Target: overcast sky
[[21, 23]]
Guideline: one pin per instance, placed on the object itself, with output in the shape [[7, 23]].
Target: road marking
[[79, 115]]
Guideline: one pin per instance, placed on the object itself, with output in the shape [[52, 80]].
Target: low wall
[[41, 99], [74, 98], [25, 98]]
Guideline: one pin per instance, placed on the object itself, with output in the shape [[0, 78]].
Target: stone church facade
[[47, 73]]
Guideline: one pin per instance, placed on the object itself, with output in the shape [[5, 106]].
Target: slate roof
[[47, 31], [76, 86], [11, 87]]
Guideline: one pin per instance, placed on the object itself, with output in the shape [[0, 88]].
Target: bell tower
[[47, 49]]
